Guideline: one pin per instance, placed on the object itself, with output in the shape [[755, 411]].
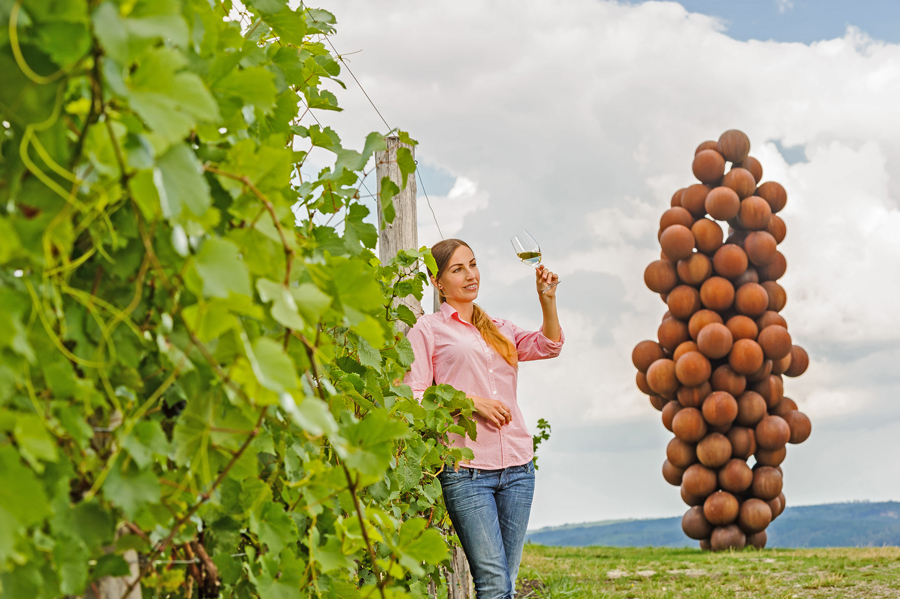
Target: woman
[[489, 498]]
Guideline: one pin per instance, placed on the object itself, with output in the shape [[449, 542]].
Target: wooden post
[[403, 232]]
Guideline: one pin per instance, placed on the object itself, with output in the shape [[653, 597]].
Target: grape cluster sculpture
[[716, 370]]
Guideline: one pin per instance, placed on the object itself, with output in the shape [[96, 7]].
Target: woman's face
[[460, 279]]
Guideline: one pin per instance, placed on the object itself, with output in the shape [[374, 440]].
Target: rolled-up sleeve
[[421, 373], [534, 345]]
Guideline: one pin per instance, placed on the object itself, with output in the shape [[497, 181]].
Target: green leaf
[[21, 495], [406, 163], [110, 565], [93, 525], [284, 306], [356, 231], [146, 440], [389, 189], [311, 301], [405, 351], [35, 443], [368, 355], [273, 368], [254, 86], [210, 320], [179, 182], [311, 414], [71, 560], [276, 529], [221, 269], [429, 547], [131, 489], [289, 26]]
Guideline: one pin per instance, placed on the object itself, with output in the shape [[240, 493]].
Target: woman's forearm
[[551, 327]]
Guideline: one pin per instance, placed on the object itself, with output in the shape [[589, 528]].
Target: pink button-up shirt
[[451, 351]]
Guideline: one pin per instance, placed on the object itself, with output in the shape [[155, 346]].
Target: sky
[[577, 120]]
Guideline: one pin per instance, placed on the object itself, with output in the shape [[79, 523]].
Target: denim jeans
[[490, 509]]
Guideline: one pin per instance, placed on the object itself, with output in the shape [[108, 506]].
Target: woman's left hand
[[544, 279]]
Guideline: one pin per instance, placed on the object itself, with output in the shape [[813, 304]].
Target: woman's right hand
[[492, 410]]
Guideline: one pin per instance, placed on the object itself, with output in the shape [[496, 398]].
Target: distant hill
[[858, 524]]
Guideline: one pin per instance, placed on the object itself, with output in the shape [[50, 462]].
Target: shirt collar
[[448, 311]]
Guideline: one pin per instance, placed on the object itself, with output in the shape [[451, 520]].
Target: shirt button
[[495, 393], [491, 370]]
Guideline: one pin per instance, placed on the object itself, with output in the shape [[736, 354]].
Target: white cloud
[[784, 5], [578, 119]]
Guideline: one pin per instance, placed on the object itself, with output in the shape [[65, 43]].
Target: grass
[[649, 573]]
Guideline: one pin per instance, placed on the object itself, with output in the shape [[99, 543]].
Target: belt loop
[[474, 473]]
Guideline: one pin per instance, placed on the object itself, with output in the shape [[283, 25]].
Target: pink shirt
[[451, 351]]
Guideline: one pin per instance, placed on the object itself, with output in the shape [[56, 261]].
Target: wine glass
[[529, 251]]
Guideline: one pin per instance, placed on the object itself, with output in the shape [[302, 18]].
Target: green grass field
[[620, 573]]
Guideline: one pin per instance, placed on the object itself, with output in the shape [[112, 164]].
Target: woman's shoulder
[[425, 322]]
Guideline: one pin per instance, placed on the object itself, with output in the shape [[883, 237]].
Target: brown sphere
[[721, 508], [675, 202], [746, 356], [751, 164], [683, 301], [724, 378], [770, 457], [800, 426], [777, 296], [680, 454], [751, 299], [751, 408], [723, 203], [730, 261], [733, 145], [767, 483], [784, 407], [775, 342], [672, 474], [743, 442], [661, 377], [741, 181], [682, 349], [750, 276], [658, 402], [772, 432], [774, 270], [672, 333], [799, 359], [736, 234], [689, 499], [757, 540], [770, 318], [719, 408], [714, 341], [755, 515], [771, 388], [708, 166], [705, 545], [760, 375], [669, 411], [699, 481], [742, 327], [714, 450], [728, 537], [782, 503], [692, 397], [735, 476], [779, 366], [760, 247], [695, 525], [695, 269], [754, 213], [693, 369], [700, 319], [660, 276], [689, 425], [774, 194], [777, 228], [677, 242], [675, 216], [708, 235], [641, 380], [717, 293], [706, 145], [646, 353], [694, 199]]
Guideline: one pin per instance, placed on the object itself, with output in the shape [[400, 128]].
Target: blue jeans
[[490, 509]]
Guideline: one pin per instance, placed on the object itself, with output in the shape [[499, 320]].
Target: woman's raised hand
[[492, 410], [546, 282]]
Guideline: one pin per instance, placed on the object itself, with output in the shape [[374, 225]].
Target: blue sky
[[803, 21]]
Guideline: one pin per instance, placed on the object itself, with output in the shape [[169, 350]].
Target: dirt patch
[[529, 588]]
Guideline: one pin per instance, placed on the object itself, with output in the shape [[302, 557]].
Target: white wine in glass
[[528, 251]]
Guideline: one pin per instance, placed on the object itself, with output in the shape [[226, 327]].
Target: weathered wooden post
[[403, 234]]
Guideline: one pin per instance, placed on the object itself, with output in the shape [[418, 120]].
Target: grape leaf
[[219, 265]]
